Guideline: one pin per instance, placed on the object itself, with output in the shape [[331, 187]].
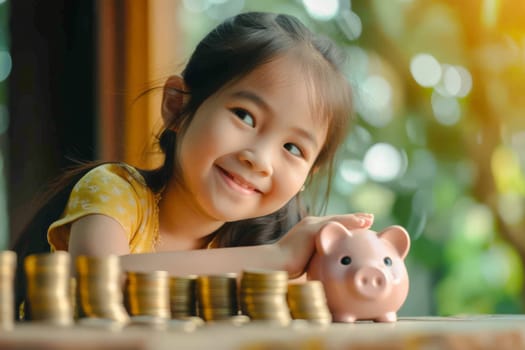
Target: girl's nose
[[256, 161]]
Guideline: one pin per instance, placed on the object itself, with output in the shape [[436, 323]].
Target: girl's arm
[[208, 261], [97, 235], [100, 235]]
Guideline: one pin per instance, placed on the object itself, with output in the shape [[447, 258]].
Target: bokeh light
[[478, 224], [350, 24], [322, 10], [196, 5], [349, 176], [352, 171], [4, 119], [446, 109], [356, 68], [222, 9], [451, 80], [378, 87], [5, 65], [456, 81], [466, 81], [425, 69], [374, 101], [383, 162]]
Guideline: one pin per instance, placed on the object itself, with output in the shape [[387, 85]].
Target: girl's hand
[[298, 245]]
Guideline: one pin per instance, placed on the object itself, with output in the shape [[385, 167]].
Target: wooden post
[[137, 53]]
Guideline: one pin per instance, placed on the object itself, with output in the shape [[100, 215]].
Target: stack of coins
[[48, 287], [99, 288], [217, 296], [73, 296], [263, 296], [183, 302], [7, 275], [307, 301], [147, 294]]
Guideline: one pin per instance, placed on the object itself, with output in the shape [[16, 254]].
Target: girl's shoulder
[[116, 190], [110, 173]]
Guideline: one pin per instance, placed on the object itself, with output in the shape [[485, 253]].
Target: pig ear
[[330, 236], [398, 237]]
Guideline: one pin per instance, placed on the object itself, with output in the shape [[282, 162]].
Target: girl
[[260, 107]]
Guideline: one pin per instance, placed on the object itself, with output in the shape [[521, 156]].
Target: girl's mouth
[[238, 182]]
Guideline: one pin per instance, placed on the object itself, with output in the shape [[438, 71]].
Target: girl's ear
[[173, 99]]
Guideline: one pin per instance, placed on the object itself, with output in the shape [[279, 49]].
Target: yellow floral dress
[[118, 191]]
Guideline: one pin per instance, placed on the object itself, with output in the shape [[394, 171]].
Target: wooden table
[[428, 333]]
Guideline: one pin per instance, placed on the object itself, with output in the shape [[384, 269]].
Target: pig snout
[[371, 282]]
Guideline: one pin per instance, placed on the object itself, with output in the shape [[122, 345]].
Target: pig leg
[[344, 317], [388, 317]]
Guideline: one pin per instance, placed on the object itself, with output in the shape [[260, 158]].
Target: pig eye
[[387, 261], [346, 260]]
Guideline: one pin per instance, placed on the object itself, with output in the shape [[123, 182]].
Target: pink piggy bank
[[363, 272]]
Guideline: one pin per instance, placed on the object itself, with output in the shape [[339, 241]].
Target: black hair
[[232, 50]]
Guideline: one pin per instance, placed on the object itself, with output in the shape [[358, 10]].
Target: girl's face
[[251, 145]]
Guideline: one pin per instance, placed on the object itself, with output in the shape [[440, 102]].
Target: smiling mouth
[[239, 181]]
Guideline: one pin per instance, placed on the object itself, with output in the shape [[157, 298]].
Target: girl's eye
[[245, 116], [293, 149]]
